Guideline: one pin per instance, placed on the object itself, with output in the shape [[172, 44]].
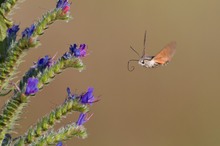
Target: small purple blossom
[[59, 143], [70, 96], [12, 31], [31, 87], [67, 55], [59, 3], [45, 62], [78, 52], [83, 118], [28, 31], [64, 5], [88, 97], [82, 49]]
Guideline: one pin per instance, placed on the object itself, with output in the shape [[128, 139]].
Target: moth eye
[[142, 62]]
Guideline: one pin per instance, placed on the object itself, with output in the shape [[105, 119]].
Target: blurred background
[[168, 106]]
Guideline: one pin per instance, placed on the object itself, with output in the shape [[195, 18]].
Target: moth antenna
[[131, 68], [135, 51], [144, 46]]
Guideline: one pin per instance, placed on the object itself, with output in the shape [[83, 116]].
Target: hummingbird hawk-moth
[[161, 58]]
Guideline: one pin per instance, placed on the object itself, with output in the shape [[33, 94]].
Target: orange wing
[[166, 54]]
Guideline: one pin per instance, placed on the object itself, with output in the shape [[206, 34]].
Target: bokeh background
[[168, 106]]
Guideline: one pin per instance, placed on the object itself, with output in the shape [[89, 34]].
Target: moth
[[160, 59]]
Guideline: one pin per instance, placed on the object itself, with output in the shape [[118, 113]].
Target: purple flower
[[78, 52], [88, 97], [83, 118], [28, 31], [70, 96], [59, 3], [11, 32], [45, 62], [64, 5], [31, 87], [59, 143], [82, 49]]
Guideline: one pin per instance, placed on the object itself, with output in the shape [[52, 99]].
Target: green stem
[[62, 134], [50, 120]]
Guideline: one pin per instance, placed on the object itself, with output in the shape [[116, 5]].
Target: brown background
[[176, 105]]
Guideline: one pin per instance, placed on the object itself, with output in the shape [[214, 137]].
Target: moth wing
[[166, 54]]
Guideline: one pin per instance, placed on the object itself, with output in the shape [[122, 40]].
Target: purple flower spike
[[82, 119], [31, 87], [70, 96], [59, 143], [64, 5], [11, 32], [45, 62], [78, 52], [88, 97], [28, 31]]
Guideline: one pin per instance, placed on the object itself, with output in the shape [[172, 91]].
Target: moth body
[[147, 62], [161, 58]]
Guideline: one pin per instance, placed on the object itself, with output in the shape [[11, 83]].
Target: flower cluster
[[85, 98], [78, 51], [64, 5], [28, 32], [12, 31], [75, 51], [44, 62], [12, 34]]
